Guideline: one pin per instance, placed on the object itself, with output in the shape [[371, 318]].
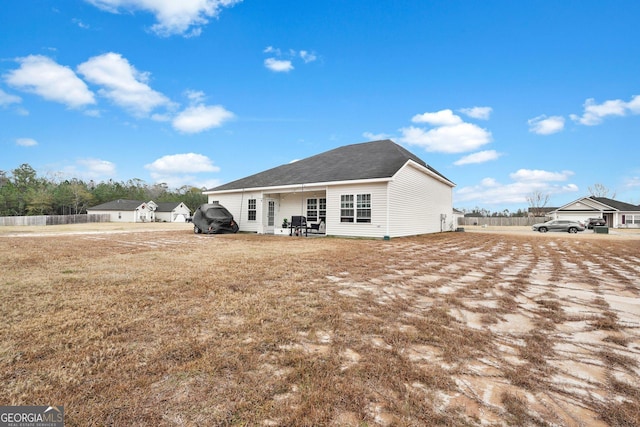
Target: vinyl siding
[[377, 226], [290, 204], [416, 202], [287, 205], [410, 204], [237, 204], [579, 206], [126, 216], [113, 215]]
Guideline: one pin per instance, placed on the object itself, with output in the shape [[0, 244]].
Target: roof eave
[[295, 187]]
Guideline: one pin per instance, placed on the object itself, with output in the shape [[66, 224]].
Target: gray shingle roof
[[621, 206], [118, 205], [368, 160], [167, 206]]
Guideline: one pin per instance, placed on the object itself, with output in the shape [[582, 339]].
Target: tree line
[[23, 192]]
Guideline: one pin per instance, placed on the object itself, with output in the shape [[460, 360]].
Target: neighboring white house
[[123, 210], [172, 212], [616, 214], [373, 189]]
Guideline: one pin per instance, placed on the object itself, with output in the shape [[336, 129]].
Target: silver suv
[[559, 225]]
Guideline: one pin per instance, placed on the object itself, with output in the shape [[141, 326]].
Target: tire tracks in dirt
[[563, 323]]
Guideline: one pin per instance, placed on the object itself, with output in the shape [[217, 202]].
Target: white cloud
[[7, 99], [80, 24], [271, 49], [481, 113], [479, 157], [278, 65], [634, 105], [96, 168], [199, 118], [525, 181], [185, 17], [450, 134], [543, 125], [489, 182], [157, 117], [178, 169], [439, 118], [457, 138], [182, 163], [203, 183], [26, 142], [93, 113], [307, 56], [375, 136], [44, 77], [282, 61], [195, 96], [594, 113], [122, 84], [528, 175]]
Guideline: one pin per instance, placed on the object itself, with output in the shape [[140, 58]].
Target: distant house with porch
[[123, 210], [374, 189], [616, 214]]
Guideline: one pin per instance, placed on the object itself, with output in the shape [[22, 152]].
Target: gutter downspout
[[301, 199], [240, 214], [387, 235]]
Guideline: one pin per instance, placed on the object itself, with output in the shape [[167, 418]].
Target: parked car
[[593, 222], [213, 219], [559, 225]]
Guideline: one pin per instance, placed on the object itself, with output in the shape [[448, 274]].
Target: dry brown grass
[[169, 328]]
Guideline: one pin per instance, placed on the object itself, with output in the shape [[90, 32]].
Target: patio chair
[[298, 223], [318, 227]]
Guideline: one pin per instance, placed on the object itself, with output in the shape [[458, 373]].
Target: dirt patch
[[172, 328]]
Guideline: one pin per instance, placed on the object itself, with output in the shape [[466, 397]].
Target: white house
[[123, 210], [373, 189], [172, 212], [616, 214]]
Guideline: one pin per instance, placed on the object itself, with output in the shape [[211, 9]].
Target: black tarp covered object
[[214, 219]]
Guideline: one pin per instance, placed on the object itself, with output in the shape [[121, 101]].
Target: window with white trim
[[316, 210], [312, 210], [630, 219], [346, 208], [363, 208], [252, 209], [358, 212]]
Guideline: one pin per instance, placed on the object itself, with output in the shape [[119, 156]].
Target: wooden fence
[[53, 219], [497, 221]]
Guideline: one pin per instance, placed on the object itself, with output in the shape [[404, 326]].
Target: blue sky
[[503, 97]]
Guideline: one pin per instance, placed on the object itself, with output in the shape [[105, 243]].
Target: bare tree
[[600, 190], [537, 201]]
